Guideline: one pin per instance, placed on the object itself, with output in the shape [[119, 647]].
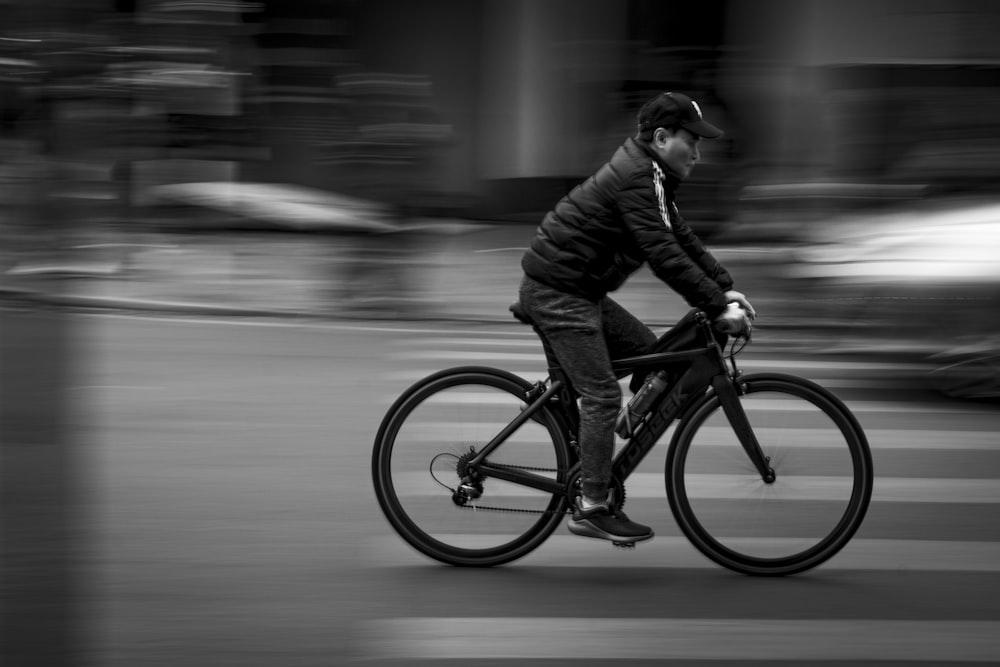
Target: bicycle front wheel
[[421, 454], [816, 503]]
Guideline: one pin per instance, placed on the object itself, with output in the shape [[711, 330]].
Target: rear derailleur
[[471, 482]]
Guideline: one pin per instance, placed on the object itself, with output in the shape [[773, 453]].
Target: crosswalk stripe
[[537, 372], [758, 364], [531, 371], [878, 439], [664, 551], [452, 343], [468, 355], [746, 487], [882, 384], [884, 407], [619, 639]]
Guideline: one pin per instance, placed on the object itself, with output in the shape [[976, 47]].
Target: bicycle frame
[[706, 358]]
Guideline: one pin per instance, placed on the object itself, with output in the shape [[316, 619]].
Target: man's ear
[[661, 135]]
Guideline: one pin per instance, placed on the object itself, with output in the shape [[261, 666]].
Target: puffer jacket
[[606, 227]]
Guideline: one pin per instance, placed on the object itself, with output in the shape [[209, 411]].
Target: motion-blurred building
[[505, 104], [889, 94]]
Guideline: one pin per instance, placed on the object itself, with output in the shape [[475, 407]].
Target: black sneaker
[[601, 522]]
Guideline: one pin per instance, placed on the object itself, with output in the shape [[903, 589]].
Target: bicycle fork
[[726, 388]]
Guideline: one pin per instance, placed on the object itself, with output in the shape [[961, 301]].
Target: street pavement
[[229, 517], [234, 521]]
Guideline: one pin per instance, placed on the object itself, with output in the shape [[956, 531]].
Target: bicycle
[[766, 474]]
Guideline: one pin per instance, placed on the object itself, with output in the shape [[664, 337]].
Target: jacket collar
[[670, 180]]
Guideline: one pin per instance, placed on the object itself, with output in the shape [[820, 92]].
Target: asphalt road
[[232, 520]]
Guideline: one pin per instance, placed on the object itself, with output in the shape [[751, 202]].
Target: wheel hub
[[470, 485]]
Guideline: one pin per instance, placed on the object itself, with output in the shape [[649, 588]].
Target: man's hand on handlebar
[[740, 298], [735, 321]]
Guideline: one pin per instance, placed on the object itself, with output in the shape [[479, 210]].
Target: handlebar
[[742, 329]]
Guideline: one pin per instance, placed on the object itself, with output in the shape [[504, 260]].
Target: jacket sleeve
[[646, 215], [697, 251]]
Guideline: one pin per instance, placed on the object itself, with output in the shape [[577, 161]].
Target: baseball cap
[[672, 110]]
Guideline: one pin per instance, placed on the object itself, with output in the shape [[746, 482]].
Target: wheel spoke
[[822, 487], [446, 420]]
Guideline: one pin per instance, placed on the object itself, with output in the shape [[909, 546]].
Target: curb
[[225, 310], [119, 303]]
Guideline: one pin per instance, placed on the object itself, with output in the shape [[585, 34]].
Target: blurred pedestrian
[[587, 246]]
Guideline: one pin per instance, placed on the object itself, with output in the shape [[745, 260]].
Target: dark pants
[[585, 336]]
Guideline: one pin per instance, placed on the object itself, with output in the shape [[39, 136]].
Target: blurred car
[[924, 279]]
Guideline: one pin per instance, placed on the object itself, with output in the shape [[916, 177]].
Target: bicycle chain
[[514, 510], [510, 466], [509, 510], [517, 510]]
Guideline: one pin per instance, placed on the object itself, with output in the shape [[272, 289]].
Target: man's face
[[677, 149]]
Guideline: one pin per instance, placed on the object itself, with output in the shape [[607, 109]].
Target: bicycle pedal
[[624, 546]]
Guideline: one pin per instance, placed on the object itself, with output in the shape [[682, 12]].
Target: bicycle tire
[[816, 504], [434, 424]]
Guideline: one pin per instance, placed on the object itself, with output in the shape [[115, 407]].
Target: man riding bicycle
[[587, 246]]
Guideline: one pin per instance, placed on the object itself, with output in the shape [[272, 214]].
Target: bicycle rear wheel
[[420, 455], [823, 484]]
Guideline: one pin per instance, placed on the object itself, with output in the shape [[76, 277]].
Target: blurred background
[[332, 150], [382, 164]]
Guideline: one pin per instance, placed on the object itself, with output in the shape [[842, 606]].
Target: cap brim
[[703, 129]]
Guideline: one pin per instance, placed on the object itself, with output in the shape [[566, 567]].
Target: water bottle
[[639, 405]]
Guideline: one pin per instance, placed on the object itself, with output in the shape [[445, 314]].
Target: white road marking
[[804, 438], [622, 639], [113, 387], [749, 487], [451, 343], [747, 364], [886, 407], [565, 550], [467, 355]]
